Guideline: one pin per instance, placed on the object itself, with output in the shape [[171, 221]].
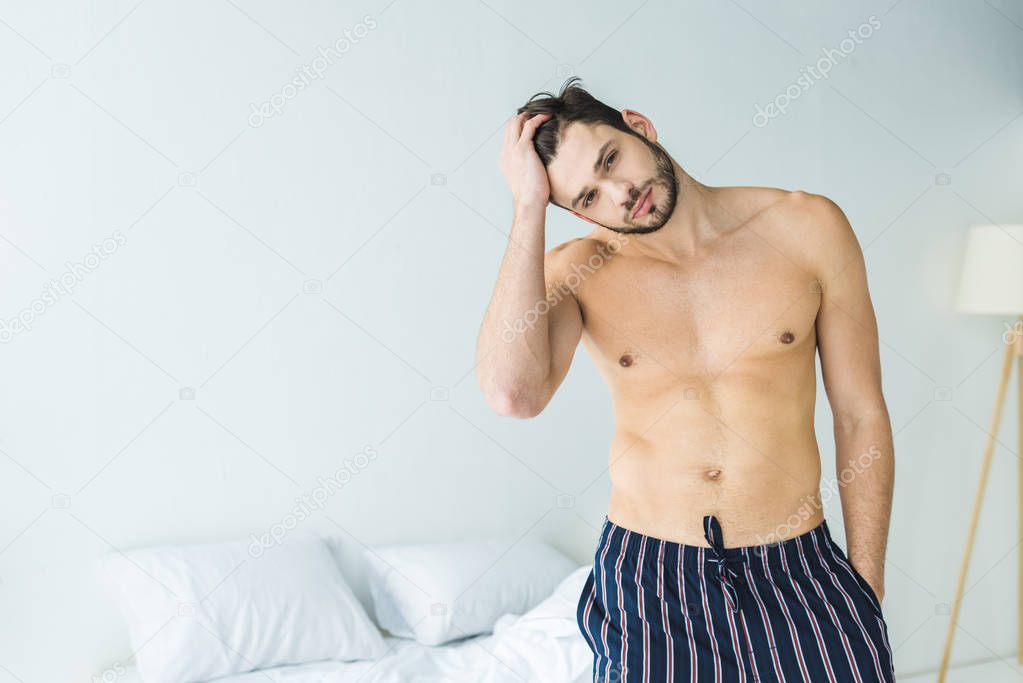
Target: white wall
[[321, 294]]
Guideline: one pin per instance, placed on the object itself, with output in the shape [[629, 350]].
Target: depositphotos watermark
[[313, 71], [1012, 332], [53, 290], [809, 75], [812, 503], [114, 673], [570, 285], [315, 500]]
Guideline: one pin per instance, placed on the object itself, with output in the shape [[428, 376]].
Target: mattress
[[400, 650]]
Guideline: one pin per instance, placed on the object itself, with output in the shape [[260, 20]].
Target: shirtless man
[[703, 308]]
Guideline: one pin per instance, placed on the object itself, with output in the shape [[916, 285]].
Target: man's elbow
[[869, 412], [520, 404]]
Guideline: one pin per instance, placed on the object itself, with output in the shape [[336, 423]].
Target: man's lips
[[642, 204]]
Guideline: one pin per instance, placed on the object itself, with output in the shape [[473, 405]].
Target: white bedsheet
[[542, 646]]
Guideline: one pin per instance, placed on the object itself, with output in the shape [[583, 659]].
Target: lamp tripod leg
[[1011, 351], [1019, 499]]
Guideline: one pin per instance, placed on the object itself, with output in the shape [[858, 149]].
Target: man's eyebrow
[[596, 168]]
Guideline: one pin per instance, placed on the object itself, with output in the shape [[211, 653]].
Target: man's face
[[620, 181]]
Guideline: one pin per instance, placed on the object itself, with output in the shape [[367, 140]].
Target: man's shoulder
[[579, 250], [818, 222], [811, 228], [798, 205], [813, 208], [798, 216]]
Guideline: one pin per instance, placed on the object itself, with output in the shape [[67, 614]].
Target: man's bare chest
[[645, 317]]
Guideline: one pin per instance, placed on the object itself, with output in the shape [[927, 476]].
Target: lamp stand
[[1013, 356]]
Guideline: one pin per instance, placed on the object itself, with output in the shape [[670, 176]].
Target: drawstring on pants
[[727, 573]]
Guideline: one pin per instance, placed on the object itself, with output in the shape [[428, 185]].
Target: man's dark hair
[[572, 104]]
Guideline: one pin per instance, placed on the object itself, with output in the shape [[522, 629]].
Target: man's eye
[[588, 199], [610, 159]]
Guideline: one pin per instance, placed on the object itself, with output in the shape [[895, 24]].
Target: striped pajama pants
[[656, 611]]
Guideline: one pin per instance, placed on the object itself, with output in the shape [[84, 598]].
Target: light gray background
[[319, 280]]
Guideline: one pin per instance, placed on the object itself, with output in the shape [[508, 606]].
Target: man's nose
[[623, 192]]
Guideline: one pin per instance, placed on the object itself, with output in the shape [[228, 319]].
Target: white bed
[[543, 645]]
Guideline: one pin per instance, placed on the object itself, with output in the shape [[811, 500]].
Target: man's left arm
[[848, 346]]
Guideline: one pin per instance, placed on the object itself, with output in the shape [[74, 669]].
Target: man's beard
[[665, 178]]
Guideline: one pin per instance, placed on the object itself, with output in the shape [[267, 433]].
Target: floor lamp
[[992, 283]]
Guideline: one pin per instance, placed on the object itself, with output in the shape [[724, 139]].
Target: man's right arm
[[532, 325], [528, 338]]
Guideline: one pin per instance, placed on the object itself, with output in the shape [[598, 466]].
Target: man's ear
[[584, 218], [640, 124]]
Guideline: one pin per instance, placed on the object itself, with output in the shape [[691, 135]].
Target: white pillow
[[444, 591], [203, 611], [559, 606]]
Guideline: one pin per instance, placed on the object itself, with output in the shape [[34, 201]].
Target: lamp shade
[[992, 276]]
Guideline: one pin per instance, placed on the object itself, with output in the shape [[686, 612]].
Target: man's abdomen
[[750, 458]]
